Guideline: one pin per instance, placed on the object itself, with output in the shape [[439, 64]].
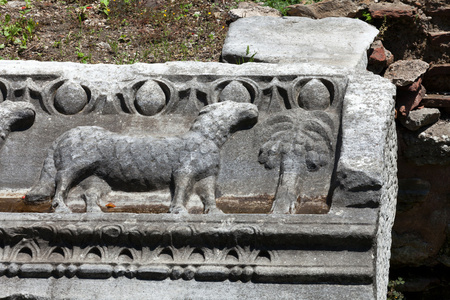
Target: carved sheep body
[[144, 163]]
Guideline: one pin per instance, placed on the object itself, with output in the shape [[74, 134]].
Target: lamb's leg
[[95, 188], [206, 190], [91, 197], [63, 181], [183, 184]]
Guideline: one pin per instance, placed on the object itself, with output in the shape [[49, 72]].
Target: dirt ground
[[110, 31]]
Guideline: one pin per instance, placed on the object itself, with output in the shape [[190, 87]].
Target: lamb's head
[[15, 116], [216, 121]]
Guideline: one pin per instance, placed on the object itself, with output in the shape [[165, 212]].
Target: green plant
[[18, 31], [383, 28], [247, 58], [3, 2], [104, 7], [84, 58], [367, 16], [247, 53], [114, 47], [392, 293]]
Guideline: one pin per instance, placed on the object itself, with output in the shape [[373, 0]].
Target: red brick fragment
[[391, 10], [407, 100]]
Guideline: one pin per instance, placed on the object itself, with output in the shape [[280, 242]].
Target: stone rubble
[[420, 118], [406, 72], [251, 9], [325, 9], [379, 58]]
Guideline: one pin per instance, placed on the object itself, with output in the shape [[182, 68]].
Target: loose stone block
[[186, 175], [341, 42]]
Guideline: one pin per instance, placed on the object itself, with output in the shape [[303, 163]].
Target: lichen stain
[[260, 204], [16, 205], [312, 205]]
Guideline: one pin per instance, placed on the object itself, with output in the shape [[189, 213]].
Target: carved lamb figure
[[187, 163]]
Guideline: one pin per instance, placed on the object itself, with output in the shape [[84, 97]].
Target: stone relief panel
[[174, 143], [190, 171]]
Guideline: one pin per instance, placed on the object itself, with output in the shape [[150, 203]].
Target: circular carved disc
[[150, 99], [314, 96], [70, 98], [235, 91]]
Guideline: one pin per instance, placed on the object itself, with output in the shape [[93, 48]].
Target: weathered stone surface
[[251, 9], [421, 223], [295, 39], [430, 146], [124, 288], [359, 188], [411, 191], [406, 72], [391, 10], [379, 58], [420, 117], [325, 9]]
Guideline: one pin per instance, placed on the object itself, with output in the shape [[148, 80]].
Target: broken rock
[[421, 117], [405, 72], [408, 100], [325, 9], [391, 10], [251, 9], [379, 58]]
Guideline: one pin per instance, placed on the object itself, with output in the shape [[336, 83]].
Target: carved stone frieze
[[214, 249], [187, 173]]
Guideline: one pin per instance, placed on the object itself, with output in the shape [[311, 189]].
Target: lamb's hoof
[[61, 209], [35, 199], [280, 210], [178, 210], [214, 211], [94, 209]]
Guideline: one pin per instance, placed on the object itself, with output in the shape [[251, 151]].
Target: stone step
[[436, 100], [441, 69], [437, 79], [443, 11], [439, 38]]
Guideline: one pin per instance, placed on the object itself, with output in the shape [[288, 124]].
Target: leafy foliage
[[393, 294]]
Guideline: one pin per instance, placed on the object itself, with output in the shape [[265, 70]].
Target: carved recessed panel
[[285, 126]]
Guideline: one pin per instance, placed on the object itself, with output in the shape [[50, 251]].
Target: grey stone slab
[[125, 288], [299, 157], [341, 42]]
